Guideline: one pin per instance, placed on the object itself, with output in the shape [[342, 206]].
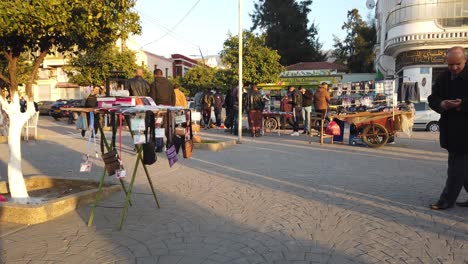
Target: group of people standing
[[160, 90], [302, 103]]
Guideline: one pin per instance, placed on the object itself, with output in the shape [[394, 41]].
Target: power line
[[171, 31]]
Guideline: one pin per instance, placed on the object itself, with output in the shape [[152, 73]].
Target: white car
[[425, 118]]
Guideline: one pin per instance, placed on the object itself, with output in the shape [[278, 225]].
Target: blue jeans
[[306, 110]]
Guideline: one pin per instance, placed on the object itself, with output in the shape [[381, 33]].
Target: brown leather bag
[[187, 149], [111, 162]]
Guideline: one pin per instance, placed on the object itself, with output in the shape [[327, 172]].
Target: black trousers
[[457, 177], [296, 118], [217, 112]]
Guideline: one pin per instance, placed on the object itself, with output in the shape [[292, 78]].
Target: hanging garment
[[408, 92]]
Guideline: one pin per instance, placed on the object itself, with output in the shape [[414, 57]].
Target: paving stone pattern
[[274, 199]]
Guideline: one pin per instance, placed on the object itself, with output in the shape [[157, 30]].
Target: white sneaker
[[295, 134]]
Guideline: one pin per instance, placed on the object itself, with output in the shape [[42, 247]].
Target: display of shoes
[[295, 134]]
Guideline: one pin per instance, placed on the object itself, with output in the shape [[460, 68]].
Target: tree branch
[[5, 79], [34, 71]]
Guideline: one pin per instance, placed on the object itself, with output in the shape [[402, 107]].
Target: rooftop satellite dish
[[370, 4]]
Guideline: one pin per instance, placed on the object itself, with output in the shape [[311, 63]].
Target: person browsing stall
[[307, 100], [138, 86], [162, 90], [179, 97]]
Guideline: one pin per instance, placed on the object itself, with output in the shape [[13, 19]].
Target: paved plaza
[[274, 199]]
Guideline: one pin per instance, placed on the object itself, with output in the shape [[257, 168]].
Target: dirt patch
[[59, 190]]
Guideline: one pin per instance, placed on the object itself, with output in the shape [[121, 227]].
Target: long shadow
[[244, 206], [181, 232], [344, 183]]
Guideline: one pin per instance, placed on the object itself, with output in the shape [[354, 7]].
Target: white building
[[52, 83], [414, 35]]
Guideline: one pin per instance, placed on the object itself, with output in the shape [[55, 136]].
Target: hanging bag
[[81, 122], [171, 152], [188, 144], [86, 164], [333, 129], [111, 159], [149, 153]]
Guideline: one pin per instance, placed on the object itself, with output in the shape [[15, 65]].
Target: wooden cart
[[375, 129]]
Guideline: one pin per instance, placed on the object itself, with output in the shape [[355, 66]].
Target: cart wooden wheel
[[270, 123], [374, 135]]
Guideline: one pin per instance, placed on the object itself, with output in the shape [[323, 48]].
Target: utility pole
[[239, 118]]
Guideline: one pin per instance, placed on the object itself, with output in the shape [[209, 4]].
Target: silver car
[[426, 118]]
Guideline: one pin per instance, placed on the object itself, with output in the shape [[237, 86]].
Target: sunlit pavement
[[273, 199]]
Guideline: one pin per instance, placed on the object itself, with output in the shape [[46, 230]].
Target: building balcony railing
[[448, 13], [453, 36]]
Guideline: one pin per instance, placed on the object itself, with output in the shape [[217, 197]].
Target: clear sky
[[187, 26]]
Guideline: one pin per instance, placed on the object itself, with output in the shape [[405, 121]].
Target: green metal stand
[[128, 192]]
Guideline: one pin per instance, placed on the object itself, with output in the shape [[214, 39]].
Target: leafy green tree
[[200, 78], [95, 66], [357, 49], [260, 64], [287, 30], [44, 26], [40, 27], [24, 68]]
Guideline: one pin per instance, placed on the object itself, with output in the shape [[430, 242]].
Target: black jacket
[[138, 86], [307, 98], [296, 99], [254, 101], [218, 100], [162, 91], [453, 124]]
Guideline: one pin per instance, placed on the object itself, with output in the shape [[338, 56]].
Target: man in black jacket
[[138, 86], [254, 106], [450, 98], [218, 99], [162, 90], [307, 100]]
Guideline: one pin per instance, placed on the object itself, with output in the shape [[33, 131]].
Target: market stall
[[148, 125], [371, 109]]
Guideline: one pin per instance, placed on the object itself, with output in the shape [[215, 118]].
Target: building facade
[[414, 35], [182, 64]]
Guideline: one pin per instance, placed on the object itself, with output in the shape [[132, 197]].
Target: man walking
[[218, 99], [162, 90], [138, 86], [450, 98], [307, 100]]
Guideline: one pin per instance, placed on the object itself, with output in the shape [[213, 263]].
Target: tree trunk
[[17, 186], [18, 191]]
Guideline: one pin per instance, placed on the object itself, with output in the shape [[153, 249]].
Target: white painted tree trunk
[[17, 186], [18, 191]]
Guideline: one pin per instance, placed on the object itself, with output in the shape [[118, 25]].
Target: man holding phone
[[450, 98]]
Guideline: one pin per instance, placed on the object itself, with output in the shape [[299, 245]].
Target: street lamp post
[[239, 118]]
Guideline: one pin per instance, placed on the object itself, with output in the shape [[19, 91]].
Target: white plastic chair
[[31, 124]]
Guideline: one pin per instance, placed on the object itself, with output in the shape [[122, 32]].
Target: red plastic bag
[[333, 129]]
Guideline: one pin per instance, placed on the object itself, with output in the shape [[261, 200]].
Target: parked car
[[44, 107], [57, 109], [425, 118]]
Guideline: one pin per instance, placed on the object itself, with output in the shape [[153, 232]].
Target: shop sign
[[307, 73]]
